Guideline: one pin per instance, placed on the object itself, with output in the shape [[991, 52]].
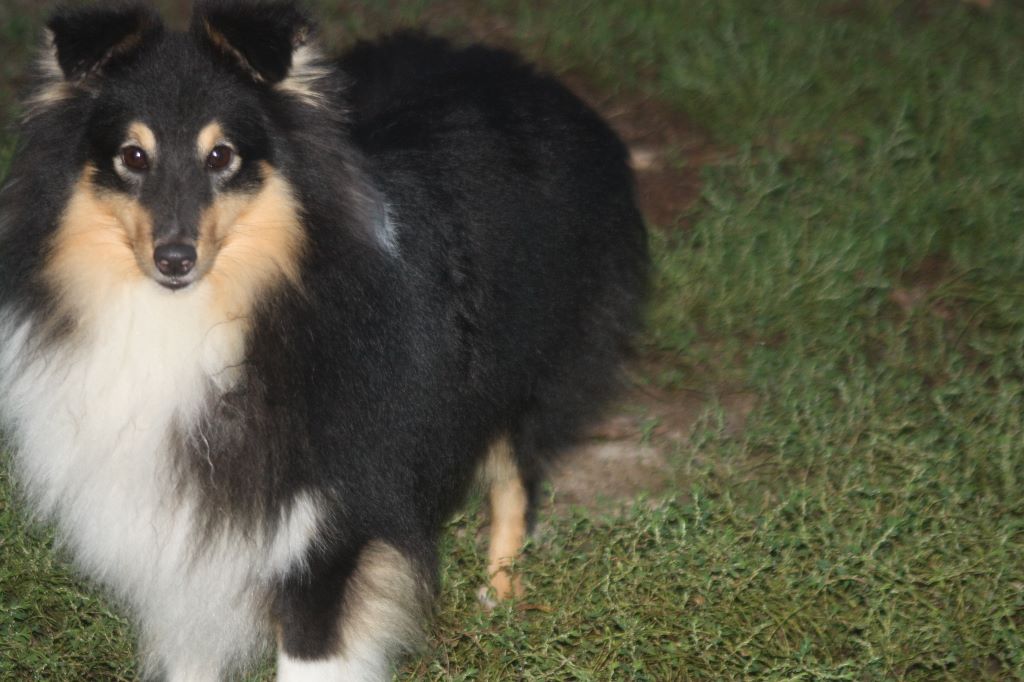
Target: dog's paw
[[504, 585], [485, 595]]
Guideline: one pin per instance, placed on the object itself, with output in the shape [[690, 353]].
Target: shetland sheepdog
[[265, 316]]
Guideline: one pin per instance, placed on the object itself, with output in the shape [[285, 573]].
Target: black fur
[[259, 42], [87, 41], [502, 304]]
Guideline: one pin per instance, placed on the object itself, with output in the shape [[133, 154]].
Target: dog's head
[[179, 146]]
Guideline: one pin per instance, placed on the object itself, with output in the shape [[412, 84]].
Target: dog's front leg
[[350, 617]]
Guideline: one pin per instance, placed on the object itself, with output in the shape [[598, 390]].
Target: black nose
[[175, 260]]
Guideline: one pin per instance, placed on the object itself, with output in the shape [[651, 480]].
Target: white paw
[[485, 596]]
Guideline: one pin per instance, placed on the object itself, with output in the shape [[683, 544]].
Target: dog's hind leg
[[509, 507]]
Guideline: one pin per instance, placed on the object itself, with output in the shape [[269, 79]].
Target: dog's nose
[[175, 260]]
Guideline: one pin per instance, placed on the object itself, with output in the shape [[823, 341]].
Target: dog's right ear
[[87, 41]]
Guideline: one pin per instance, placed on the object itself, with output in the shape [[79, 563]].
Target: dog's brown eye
[[134, 158], [220, 158]]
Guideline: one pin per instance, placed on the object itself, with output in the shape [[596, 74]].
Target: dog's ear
[[259, 37], [90, 40]]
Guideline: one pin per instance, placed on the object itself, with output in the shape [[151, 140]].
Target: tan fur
[[385, 603], [96, 247], [508, 520], [140, 134], [250, 243], [307, 69], [53, 89], [209, 137]]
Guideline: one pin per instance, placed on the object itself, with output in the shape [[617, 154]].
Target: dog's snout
[[175, 260]]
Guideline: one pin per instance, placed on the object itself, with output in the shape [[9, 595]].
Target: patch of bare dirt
[[629, 453], [598, 473]]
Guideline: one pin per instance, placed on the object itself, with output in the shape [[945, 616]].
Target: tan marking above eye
[[215, 151], [209, 137], [142, 136], [137, 152]]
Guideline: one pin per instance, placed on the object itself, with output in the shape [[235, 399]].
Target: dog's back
[[517, 199]]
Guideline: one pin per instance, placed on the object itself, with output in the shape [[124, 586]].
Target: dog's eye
[[134, 158], [220, 158]]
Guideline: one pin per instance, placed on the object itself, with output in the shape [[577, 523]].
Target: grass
[[855, 261]]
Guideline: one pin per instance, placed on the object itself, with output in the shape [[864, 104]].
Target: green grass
[[855, 260]]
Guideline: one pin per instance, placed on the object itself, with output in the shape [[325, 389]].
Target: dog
[[266, 315]]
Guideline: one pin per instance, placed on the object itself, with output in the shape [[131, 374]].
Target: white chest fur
[[90, 420]]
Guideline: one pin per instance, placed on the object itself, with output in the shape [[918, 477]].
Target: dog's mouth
[[174, 283]]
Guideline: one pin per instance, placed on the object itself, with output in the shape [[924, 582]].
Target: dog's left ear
[[260, 38]]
